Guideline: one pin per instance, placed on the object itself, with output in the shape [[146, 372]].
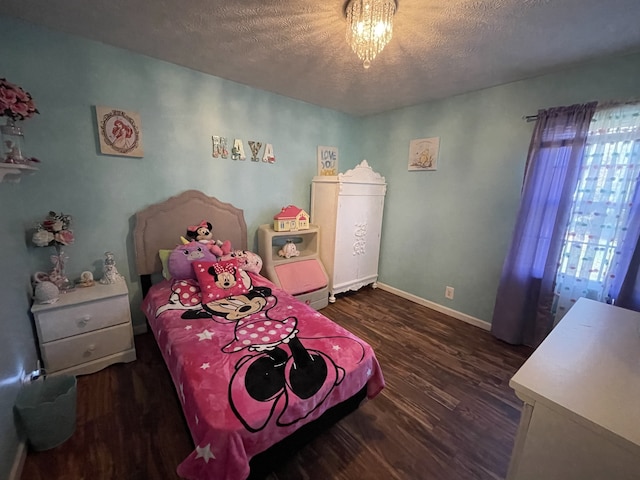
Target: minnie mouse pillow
[[219, 279]]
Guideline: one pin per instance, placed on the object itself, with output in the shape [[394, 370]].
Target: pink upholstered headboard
[[160, 226]]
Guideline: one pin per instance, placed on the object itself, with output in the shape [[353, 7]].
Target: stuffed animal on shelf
[[203, 233], [181, 257], [289, 250]]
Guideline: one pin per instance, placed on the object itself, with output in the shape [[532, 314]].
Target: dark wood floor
[[447, 411]]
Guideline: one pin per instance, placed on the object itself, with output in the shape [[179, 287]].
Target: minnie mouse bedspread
[[251, 369]]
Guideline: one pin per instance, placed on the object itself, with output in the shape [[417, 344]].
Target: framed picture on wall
[[120, 132], [423, 154], [327, 161]]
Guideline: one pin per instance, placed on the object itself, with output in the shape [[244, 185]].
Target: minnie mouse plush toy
[[203, 233]]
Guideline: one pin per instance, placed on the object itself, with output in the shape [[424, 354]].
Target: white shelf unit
[[307, 243]]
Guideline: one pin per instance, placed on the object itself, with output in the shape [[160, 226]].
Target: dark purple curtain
[[626, 294], [522, 313], [629, 296]]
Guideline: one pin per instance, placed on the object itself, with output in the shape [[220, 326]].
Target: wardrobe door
[[368, 240], [345, 267], [359, 221]]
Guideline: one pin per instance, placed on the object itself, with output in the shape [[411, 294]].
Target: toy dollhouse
[[291, 219]]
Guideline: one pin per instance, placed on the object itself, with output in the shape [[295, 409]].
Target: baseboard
[[18, 462], [140, 329], [476, 322]]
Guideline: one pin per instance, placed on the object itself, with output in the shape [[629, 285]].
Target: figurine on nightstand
[[86, 279], [111, 274]]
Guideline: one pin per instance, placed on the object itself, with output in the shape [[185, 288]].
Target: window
[[601, 208]]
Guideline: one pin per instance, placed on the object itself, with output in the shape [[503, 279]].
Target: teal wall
[[449, 227], [180, 109], [453, 226], [17, 347]]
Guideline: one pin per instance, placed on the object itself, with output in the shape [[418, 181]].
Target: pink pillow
[[219, 279]]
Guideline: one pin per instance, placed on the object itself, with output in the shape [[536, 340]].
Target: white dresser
[[348, 209], [85, 330], [581, 388]]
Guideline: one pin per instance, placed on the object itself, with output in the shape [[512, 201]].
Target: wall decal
[[268, 154], [223, 147], [255, 150], [423, 154], [215, 146], [237, 152], [219, 147], [120, 132], [327, 160]]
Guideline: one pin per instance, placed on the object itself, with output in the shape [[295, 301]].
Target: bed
[[256, 372]]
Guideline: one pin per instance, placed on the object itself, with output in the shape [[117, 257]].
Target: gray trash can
[[47, 409]]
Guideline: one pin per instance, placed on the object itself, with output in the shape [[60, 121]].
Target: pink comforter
[[251, 369]]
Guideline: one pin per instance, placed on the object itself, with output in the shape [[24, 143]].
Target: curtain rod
[[533, 118]]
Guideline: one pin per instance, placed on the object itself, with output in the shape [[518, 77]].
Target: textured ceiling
[[297, 48]]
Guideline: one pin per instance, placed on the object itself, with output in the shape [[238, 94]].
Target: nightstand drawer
[[65, 322], [86, 347]]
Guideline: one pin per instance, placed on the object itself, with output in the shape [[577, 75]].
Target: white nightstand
[[85, 330]]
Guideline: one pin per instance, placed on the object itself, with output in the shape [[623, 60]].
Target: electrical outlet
[[448, 292], [28, 377]]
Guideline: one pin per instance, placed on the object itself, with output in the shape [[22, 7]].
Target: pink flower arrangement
[[54, 231], [15, 103]]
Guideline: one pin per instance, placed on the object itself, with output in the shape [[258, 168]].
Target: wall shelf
[[13, 172]]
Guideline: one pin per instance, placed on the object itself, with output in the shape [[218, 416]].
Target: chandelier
[[369, 27]]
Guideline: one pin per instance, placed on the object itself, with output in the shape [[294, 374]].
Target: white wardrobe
[[348, 209]]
